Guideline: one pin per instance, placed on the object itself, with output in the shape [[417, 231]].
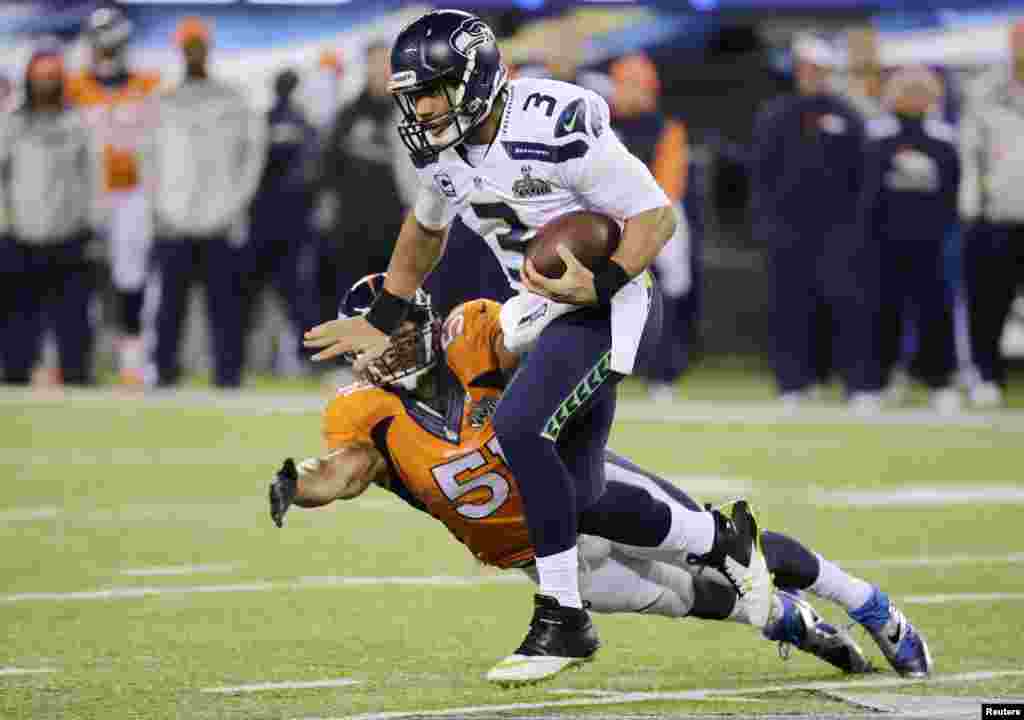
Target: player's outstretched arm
[[416, 252], [342, 474]]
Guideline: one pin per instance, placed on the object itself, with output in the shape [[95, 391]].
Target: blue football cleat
[[900, 642], [800, 625]]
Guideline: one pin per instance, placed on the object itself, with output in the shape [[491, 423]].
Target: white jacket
[[992, 150], [207, 158]]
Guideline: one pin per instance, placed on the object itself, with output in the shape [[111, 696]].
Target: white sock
[[840, 587], [692, 531], [559, 577]]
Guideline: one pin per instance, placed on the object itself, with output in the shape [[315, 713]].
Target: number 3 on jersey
[[514, 235], [456, 488]]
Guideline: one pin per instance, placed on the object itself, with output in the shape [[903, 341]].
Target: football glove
[[282, 491]]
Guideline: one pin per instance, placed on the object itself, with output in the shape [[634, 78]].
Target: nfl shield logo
[[444, 182]]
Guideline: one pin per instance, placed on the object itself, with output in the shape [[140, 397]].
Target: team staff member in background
[[281, 247], [48, 173], [207, 159], [910, 195], [358, 203], [119, 104], [992, 201], [807, 174], [661, 143]]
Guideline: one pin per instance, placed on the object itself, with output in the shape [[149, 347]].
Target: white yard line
[[627, 698], [177, 570], [29, 513], [947, 598], [131, 593], [299, 685], [24, 671], [632, 410], [305, 583], [920, 496], [934, 561]]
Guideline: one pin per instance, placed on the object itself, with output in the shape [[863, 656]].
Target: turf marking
[[680, 411], [299, 685], [176, 570], [934, 561], [29, 513], [327, 581], [627, 698], [24, 671], [305, 583], [947, 598], [922, 496]]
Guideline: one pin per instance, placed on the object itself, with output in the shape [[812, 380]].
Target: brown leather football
[[591, 237]]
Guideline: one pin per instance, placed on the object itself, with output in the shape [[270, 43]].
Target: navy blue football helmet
[[414, 350], [450, 51]]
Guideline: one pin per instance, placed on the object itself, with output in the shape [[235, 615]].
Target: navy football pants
[[179, 262], [47, 286], [554, 419]]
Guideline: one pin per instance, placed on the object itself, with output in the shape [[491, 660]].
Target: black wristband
[[387, 312], [608, 281]]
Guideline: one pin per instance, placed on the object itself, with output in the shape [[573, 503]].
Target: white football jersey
[[554, 154]]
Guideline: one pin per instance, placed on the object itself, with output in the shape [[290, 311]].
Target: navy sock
[[627, 514], [793, 565]]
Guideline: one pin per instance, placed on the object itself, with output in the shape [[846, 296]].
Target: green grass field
[[140, 569]]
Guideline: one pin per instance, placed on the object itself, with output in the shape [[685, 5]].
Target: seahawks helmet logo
[[472, 33]]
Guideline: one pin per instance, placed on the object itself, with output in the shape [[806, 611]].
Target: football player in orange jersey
[[419, 426], [119, 105]]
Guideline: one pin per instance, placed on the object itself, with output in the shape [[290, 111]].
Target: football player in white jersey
[[507, 157]]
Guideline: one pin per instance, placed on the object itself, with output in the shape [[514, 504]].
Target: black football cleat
[[559, 637], [736, 554]]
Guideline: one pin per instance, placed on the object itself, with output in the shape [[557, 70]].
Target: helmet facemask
[[413, 350], [412, 353], [467, 109]]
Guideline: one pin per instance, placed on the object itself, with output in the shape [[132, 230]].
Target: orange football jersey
[[120, 116], [449, 462]]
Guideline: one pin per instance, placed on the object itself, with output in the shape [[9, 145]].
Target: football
[[590, 236]]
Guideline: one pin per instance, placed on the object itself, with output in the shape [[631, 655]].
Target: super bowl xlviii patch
[[482, 411], [528, 187], [445, 184]]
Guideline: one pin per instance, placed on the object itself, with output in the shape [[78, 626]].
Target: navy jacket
[[911, 183], [807, 170]]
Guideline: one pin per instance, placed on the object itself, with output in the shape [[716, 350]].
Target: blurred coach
[[910, 209], [208, 157], [807, 173], [48, 173], [992, 201]]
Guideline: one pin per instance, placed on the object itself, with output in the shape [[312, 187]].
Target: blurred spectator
[[208, 156], [119, 105], [864, 72], [561, 48], [281, 246], [359, 206], [661, 143], [910, 209], [47, 175], [7, 94], [992, 201], [806, 181], [321, 88]]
